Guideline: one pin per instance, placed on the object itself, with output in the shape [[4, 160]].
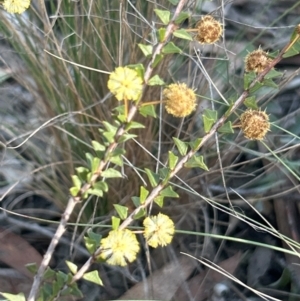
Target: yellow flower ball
[[209, 30], [159, 230], [16, 6], [255, 124], [119, 248], [257, 61], [180, 100], [125, 84]]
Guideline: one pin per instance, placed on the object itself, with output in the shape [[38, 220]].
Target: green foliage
[[93, 276]]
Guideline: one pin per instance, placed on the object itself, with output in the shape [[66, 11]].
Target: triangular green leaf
[[171, 48], [141, 213], [226, 128], [98, 146], [195, 144], [101, 186], [143, 194], [136, 201], [208, 123], [32, 267], [122, 211], [115, 222], [93, 276], [182, 34], [111, 173], [12, 297], [74, 191], [211, 114], [272, 74], [196, 161], [139, 68], [76, 181], [161, 34], [72, 267], [153, 178], [156, 81], [172, 160], [159, 200], [148, 110], [181, 17], [248, 79], [169, 192], [126, 137], [157, 60], [146, 49], [181, 146], [250, 102], [134, 125], [164, 15]]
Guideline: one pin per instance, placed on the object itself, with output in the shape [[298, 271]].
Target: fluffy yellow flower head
[[119, 247], [125, 84], [255, 124], [159, 230], [209, 30], [180, 100], [16, 6], [256, 61]]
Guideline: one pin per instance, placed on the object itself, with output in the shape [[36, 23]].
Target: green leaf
[[148, 110], [32, 267], [273, 73], [181, 17], [109, 127], [98, 146], [169, 192], [12, 297], [159, 200], [82, 173], [196, 161], [122, 211], [146, 49], [96, 192], [110, 137], [171, 48], [208, 123], [256, 87], [172, 160], [209, 118], [226, 128], [143, 194], [164, 173], [118, 160], [181, 146], [134, 125], [174, 2], [294, 50], [248, 79], [115, 221], [136, 201], [161, 34], [164, 15], [139, 68], [76, 181], [153, 178], [49, 274], [101, 186], [156, 81], [195, 144], [211, 114], [270, 83], [126, 137], [250, 102], [93, 276], [111, 173], [74, 191], [157, 60], [141, 213], [72, 267], [95, 164], [89, 158], [182, 34]]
